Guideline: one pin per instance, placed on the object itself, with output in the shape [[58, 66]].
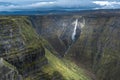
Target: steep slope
[[8, 72], [69, 70], [20, 46], [96, 44], [27, 56], [58, 30], [99, 46]]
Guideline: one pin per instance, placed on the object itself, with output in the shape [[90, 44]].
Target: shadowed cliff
[[20, 46]]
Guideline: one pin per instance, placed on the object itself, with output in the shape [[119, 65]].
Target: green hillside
[[66, 68]]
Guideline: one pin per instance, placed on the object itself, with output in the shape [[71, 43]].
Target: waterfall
[[73, 35], [74, 32]]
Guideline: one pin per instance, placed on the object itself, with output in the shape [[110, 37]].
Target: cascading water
[[75, 28], [73, 35]]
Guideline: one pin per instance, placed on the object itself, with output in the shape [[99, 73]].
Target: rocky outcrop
[[8, 72], [21, 47]]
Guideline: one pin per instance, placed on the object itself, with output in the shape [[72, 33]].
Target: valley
[[60, 47]]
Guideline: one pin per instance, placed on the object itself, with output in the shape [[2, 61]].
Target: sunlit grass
[[68, 69]]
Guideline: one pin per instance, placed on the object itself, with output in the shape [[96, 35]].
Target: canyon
[[60, 47]]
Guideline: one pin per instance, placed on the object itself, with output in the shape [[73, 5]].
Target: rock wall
[[21, 47], [8, 72], [22, 51], [58, 30], [99, 46], [97, 43]]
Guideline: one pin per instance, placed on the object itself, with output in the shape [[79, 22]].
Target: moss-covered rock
[[20, 45], [8, 71]]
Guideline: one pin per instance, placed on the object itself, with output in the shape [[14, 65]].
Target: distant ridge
[[103, 12]]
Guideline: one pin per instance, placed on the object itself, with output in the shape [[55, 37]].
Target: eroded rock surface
[[20, 47], [8, 71]]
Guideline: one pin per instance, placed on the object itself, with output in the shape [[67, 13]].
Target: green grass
[[68, 69]]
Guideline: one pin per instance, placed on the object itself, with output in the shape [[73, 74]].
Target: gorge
[[60, 47]]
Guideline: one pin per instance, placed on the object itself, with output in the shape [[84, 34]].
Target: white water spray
[[76, 23], [73, 35], [75, 28]]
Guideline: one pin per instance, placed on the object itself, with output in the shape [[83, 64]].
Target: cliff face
[[8, 72], [20, 47], [60, 31], [99, 46], [96, 40]]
